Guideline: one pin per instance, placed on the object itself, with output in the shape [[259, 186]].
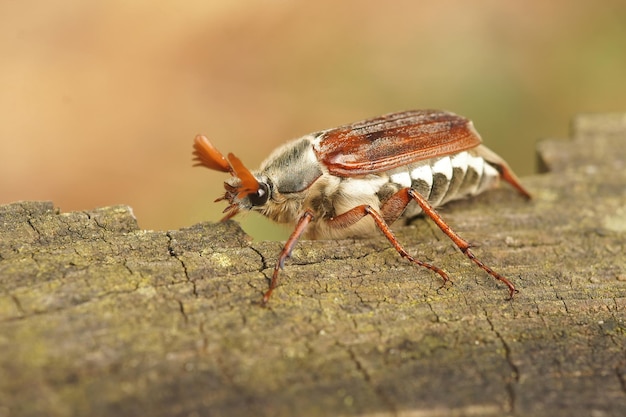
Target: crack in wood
[[509, 385]]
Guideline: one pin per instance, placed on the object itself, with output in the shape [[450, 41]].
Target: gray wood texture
[[100, 318]]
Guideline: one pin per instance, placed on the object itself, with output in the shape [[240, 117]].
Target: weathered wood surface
[[99, 318]]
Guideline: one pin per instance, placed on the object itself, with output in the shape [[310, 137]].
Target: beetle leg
[[357, 213], [286, 252], [506, 173], [458, 241]]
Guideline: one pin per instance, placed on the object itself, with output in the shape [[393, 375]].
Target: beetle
[[355, 179]]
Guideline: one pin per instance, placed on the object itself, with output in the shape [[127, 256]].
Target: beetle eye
[[260, 197]]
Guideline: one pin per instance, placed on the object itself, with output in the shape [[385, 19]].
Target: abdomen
[[439, 179], [442, 179]]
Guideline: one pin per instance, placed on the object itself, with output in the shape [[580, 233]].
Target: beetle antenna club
[[396, 166]]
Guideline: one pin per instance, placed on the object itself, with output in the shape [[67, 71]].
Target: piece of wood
[[100, 318]]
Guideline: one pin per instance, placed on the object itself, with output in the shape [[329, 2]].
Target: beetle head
[[243, 190]]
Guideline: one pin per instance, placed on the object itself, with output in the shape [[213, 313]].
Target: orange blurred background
[[100, 101]]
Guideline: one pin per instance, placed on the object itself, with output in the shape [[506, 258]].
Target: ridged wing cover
[[393, 140]]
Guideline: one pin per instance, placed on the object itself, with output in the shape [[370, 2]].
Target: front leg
[[286, 252]]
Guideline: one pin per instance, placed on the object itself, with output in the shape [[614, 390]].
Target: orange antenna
[[249, 183], [206, 155]]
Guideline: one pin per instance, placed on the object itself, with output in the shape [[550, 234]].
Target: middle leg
[[357, 213]]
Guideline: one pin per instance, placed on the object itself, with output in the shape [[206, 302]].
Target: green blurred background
[[100, 101]]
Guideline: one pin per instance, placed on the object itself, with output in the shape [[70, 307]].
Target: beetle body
[[309, 184], [356, 179]]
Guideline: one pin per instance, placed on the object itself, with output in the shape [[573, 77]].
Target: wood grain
[[101, 318]]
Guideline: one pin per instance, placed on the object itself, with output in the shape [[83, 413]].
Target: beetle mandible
[[351, 180]]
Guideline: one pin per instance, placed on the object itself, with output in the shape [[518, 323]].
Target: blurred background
[[100, 101]]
